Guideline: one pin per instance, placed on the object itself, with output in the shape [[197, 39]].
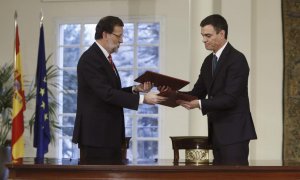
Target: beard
[[114, 47]]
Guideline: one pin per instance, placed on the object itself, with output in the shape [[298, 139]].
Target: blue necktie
[[214, 63]]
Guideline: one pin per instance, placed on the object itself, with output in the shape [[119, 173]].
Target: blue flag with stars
[[41, 123]]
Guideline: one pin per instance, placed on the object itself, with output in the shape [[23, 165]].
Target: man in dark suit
[[222, 89], [99, 126]]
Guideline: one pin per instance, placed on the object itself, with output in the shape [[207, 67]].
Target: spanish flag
[[18, 103]]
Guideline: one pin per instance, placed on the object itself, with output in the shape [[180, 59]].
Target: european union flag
[[41, 123]]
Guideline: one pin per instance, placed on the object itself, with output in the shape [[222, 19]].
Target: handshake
[[168, 90]]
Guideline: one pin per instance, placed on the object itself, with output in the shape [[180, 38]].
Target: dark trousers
[[100, 155], [233, 154]]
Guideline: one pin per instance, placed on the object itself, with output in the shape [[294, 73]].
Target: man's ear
[[104, 35], [222, 33]]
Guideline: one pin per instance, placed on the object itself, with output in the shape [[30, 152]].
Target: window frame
[[91, 20]]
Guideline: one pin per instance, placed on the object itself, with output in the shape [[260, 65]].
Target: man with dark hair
[[99, 126], [222, 89]]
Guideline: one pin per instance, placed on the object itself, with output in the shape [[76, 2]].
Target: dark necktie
[[111, 62], [214, 63]]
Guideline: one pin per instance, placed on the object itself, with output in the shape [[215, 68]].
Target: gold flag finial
[[16, 15], [41, 16]]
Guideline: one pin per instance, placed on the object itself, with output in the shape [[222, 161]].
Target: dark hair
[[107, 24], [217, 21]]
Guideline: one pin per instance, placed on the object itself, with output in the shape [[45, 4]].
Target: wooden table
[[162, 169]]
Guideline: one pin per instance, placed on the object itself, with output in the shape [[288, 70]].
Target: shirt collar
[[219, 52], [106, 54]]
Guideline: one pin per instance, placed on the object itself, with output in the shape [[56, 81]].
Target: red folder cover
[[164, 80], [173, 96]]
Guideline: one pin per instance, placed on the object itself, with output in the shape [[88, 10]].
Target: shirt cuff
[[200, 104], [141, 101]]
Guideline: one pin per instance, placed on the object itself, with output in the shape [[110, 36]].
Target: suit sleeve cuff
[[141, 101], [134, 90]]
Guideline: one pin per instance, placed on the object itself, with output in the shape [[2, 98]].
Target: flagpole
[[42, 135], [15, 43], [18, 102]]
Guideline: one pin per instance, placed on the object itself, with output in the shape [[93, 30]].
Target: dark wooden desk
[[163, 169]]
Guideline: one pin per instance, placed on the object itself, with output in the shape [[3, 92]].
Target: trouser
[[100, 155], [233, 154]]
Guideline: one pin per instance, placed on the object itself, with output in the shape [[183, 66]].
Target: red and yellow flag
[[18, 104]]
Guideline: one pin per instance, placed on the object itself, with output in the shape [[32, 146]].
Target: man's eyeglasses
[[118, 36]]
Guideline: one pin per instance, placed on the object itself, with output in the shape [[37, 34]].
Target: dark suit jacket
[[100, 102], [224, 98]]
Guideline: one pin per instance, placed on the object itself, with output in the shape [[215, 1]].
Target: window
[[139, 52]]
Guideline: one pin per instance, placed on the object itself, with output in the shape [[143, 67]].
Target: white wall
[[252, 30], [267, 53]]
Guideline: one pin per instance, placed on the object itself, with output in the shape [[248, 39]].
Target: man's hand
[[145, 87], [151, 98], [189, 104], [163, 88]]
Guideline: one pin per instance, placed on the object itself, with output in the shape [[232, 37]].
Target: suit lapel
[[220, 65], [112, 75], [118, 78]]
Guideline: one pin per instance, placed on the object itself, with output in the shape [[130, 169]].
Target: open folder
[[173, 96], [173, 83], [162, 80]]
